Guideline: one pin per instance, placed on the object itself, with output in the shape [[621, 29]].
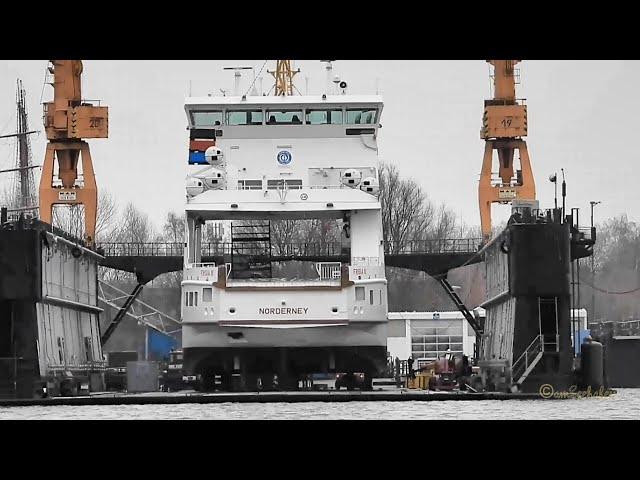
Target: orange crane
[[67, 120], [504, 125]]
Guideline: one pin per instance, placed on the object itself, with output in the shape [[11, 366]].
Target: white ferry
[[259, 159]]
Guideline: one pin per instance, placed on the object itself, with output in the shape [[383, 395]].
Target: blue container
[[582, 334], [159, 345], [197, 158]]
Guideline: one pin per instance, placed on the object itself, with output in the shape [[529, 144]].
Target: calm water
[[624, 405]]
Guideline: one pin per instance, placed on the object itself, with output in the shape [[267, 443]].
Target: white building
[[426, 335]]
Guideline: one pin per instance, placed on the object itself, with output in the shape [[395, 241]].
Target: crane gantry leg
[[67, 155], [524, 187]]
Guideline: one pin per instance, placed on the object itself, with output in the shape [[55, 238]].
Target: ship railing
[[201, 265], [329, 270], [528, 356], [452, 245], [329, 249], [329, 186]]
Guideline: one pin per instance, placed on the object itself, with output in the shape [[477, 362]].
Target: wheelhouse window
[[252, 117], [206, 119], [286, 117], [357, 116], [324, 117]]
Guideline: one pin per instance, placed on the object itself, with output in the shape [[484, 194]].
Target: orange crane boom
[[67, 120], [504, 125]]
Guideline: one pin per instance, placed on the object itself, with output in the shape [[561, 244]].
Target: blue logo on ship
[[284, 157]]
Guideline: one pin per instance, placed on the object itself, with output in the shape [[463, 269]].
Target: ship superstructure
[[256, 160]]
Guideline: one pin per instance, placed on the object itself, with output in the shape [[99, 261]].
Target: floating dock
[[158, 398]]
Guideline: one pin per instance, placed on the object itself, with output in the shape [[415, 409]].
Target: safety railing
[[328, 270], [329, 249], [436, 246], [529, 355], [453, 245], [136, 249]]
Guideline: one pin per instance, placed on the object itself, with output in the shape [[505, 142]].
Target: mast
[[25, 189], [283, 75]]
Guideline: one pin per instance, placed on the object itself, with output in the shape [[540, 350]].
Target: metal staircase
[[524, 365], [251, 250], [461, 306]]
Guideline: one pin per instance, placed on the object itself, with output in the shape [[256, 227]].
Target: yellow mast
[[283, 75]]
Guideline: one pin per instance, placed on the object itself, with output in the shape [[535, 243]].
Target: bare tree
[[134, 226], [283, 232], [406, 212], [107, 216], [173, 228]]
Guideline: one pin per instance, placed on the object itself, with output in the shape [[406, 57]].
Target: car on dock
[[352, 381]]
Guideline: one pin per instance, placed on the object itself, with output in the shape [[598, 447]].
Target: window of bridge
[[284, 117], [357, 116], [206, 119], [323, 117], [245, 117]]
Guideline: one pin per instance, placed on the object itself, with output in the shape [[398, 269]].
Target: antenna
[[237, 75], [329, 69]]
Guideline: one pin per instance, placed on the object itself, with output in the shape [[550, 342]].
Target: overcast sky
[[583, 117]]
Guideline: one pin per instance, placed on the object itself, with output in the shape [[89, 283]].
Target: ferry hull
[[213, 350]]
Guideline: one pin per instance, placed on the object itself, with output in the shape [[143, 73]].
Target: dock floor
[[190, 396]]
